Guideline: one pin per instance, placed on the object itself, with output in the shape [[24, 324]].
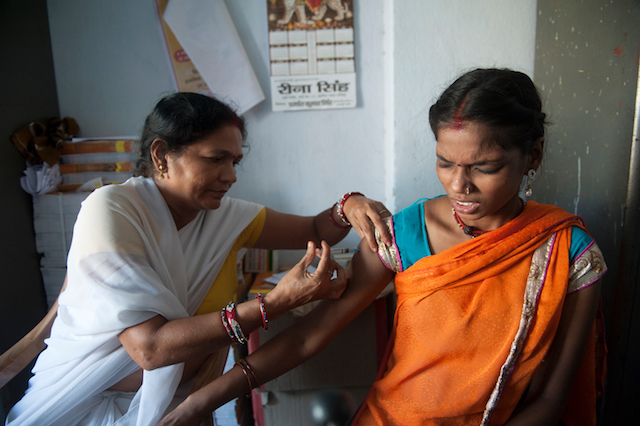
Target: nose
[[229, 174], [461, 183]]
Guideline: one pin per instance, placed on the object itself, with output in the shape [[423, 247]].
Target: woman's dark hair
[[505, 101], [181, 119]]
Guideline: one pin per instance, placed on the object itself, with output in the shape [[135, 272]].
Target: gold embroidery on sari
[[535, 281], [587, 269], [388, 254]]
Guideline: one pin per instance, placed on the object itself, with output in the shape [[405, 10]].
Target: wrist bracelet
[[336, 224], [227, 327], [234, 324], [246, 375], [248, 371], [340, 206], [263, 312]]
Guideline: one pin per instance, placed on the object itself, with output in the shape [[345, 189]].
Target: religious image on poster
[[312, 54]]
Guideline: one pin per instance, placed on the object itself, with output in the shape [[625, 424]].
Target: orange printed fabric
[[457, 315]]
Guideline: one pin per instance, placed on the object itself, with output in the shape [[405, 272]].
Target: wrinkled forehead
[[476, 137], [471, 144]]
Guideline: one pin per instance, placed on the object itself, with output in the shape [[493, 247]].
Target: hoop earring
[[531, 176]]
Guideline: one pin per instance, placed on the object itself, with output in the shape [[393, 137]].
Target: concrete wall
[[587, 66]]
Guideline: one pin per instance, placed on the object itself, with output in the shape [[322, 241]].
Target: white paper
[[40, 179], [206, 32]]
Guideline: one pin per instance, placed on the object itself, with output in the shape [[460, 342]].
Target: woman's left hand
[[181, 416], [363, 213]]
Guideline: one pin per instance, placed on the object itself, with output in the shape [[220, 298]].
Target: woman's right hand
[[299, 287]]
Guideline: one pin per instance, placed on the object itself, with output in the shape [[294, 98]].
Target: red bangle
[[263, 312], [336, 224], [246, 375], [340, 206], [249, 373], [234, 324], [227, 327]]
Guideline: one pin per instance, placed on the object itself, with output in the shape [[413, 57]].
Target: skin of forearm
[[190, 338], [275, 359], [327, 231]]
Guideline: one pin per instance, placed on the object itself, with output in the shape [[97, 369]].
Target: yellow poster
[[186, 74]]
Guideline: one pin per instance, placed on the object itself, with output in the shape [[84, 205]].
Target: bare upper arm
[[554, 378], [367, 277]]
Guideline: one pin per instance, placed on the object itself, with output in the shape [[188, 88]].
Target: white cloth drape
[[127, 264]]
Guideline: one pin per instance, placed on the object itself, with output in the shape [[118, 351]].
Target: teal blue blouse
[[410, 233]]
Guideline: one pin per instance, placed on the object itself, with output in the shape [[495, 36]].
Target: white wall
[[435, 41], [111, 68]]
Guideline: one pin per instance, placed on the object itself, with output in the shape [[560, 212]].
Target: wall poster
[[312, 54], [188, 79]]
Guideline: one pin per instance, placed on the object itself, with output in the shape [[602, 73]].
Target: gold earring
[[161, 168]]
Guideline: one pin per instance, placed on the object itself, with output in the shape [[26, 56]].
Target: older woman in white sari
[[151, 271]]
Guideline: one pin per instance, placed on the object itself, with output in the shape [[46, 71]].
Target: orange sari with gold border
[[458, 315]]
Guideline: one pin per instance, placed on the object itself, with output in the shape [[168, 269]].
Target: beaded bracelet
[[248, 371], [340, 206], [263, 312], [336, 224], [227, 327], [234, 324]]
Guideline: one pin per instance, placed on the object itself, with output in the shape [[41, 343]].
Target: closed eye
[[489, 172]]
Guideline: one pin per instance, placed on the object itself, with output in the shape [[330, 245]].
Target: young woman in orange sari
[[497, 297]]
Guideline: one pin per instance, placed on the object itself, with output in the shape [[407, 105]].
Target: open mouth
[[465, 207]]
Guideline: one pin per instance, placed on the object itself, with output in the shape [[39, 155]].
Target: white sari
[[127, 264]]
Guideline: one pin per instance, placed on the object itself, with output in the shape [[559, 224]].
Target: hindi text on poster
[[312, 54]]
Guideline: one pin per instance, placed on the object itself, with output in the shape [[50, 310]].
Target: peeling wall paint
[[588, 79], [577, 200]]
